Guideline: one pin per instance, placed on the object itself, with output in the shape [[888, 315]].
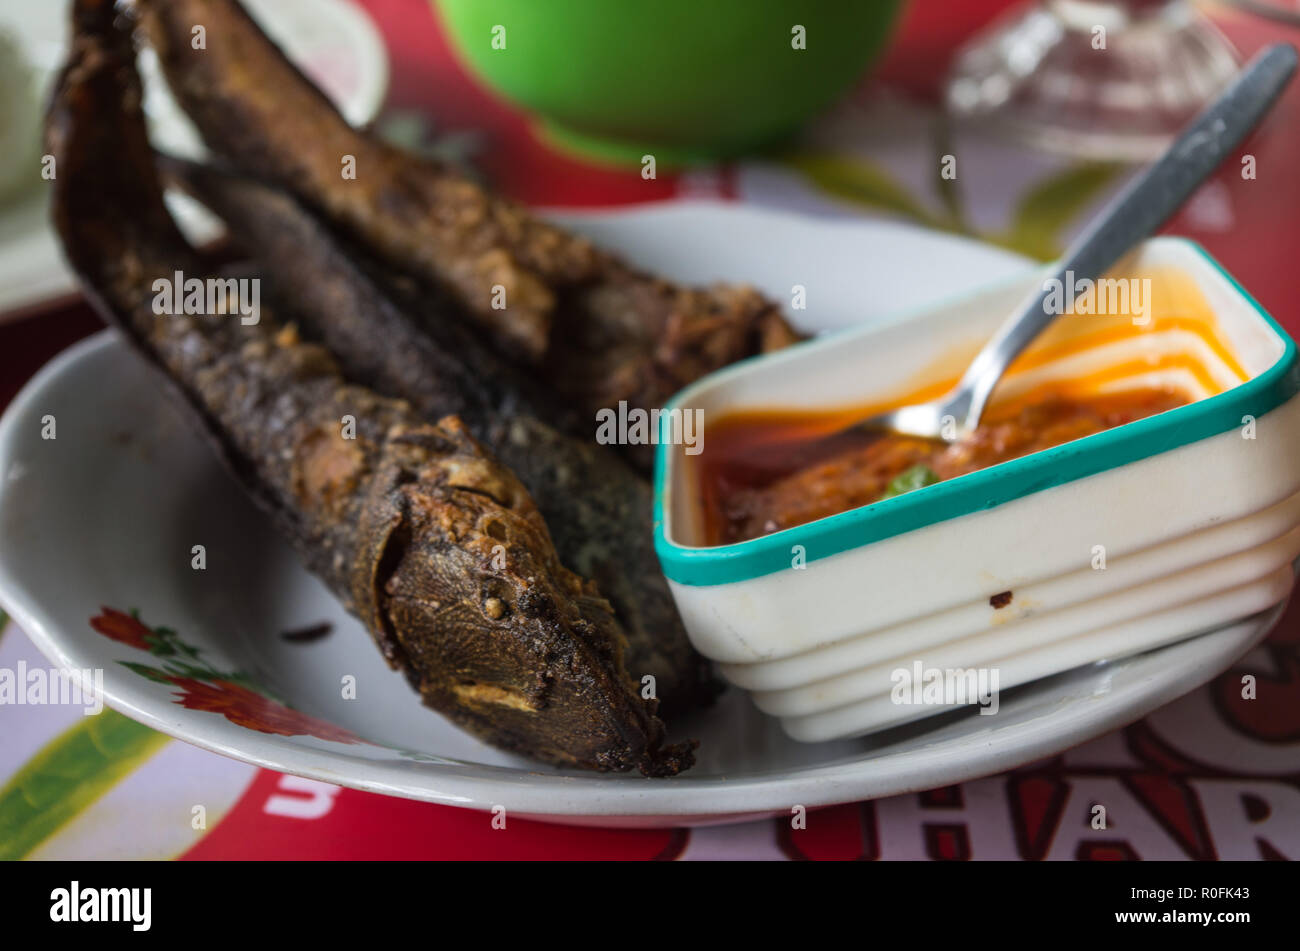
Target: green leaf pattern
[[1039, 222], [69, 774]]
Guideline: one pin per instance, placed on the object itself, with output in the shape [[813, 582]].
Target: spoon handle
[[1144, 204]]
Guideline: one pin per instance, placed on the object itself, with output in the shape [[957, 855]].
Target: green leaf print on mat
[[69, 774], [1046, 211], [1039, 223], [863, 183]]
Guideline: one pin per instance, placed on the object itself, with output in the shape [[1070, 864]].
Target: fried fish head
[[491, 629]]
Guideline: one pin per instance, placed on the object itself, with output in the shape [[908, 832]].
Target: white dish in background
[[334, 41], [107, 514]]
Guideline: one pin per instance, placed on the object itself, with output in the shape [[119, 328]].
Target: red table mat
[[1210, 776]]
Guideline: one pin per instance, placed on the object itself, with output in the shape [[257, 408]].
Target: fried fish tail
[[598, 510], [433, 544]]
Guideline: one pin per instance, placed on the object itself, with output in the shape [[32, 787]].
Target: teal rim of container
[[984, 488]]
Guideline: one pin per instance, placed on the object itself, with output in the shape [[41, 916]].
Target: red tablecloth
[[1176, 785]]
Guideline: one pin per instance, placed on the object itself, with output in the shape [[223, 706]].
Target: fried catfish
[[425, 537], [598, 509]]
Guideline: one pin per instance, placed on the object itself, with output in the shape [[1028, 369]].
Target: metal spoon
[[1144, 204]]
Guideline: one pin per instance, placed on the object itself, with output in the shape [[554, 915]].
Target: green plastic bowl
[[682, 80]]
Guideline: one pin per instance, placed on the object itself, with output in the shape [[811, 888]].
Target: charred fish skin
[[596, 330], [636, 339], [361, 310], [598, 510], [405, 521]]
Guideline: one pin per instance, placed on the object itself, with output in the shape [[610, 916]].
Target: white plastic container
[[1109, 545]]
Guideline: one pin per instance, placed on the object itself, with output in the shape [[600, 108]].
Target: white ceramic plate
[[334, 42], [106, 514]]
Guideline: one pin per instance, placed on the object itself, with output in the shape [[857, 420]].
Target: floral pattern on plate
[[232, 695]]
